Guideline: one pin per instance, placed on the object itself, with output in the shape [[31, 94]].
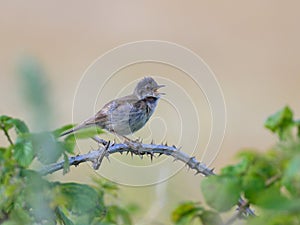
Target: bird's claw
[[135, 145]]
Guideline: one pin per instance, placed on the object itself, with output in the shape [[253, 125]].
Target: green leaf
[[282, 118], [62, 217], [252, 185], [69, 145], [10, 222], [271, 218], [116, 213], [37, 195], [186, 220], [23, 151], [272, 198], [106, 187], [291, 176], [5, 122], [210, 218], [66, 168], [236, 170], [106, 184], [281, 122], [221, 192], [48, 149], [297, 124], [186, 212], [20, 215], [20, 126], [79, 198]]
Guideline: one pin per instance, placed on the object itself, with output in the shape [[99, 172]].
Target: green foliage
[[28, 198], [282, 123], [268, 181], [221, 192], [7, 123], [189, 212]]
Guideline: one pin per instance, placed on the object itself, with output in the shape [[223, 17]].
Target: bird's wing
[[115, 108]]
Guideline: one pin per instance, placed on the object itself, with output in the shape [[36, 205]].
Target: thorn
[[188, 168], [179, 148], [121, 152], [175, 159], [192, 158], [197, 172], [159, 154], [151, 155], [152, 142], [131, 154], [166, 144], [107, 145], [173, 146], [107, 156], [212, 170]]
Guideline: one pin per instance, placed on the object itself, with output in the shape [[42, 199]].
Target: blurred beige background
[[252, 47]]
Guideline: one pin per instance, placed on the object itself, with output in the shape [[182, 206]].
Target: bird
[[125, 115]]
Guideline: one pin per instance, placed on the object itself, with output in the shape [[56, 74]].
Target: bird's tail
[[85, 124], [79, 127]]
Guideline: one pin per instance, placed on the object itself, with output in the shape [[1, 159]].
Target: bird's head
[[147, 87]]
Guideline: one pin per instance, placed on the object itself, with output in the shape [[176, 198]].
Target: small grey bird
[[128, 114]]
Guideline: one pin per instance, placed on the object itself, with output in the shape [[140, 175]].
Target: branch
[[135, 148], [96, 156]]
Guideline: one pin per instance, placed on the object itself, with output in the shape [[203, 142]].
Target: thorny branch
[[140, 149]]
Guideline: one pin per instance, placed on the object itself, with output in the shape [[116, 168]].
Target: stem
[[6, 134]]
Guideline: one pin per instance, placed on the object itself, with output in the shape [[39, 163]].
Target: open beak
[[158, 87]]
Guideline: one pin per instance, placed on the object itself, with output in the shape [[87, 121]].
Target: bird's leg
[[133, 144], [126, 138], [99, 140]]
